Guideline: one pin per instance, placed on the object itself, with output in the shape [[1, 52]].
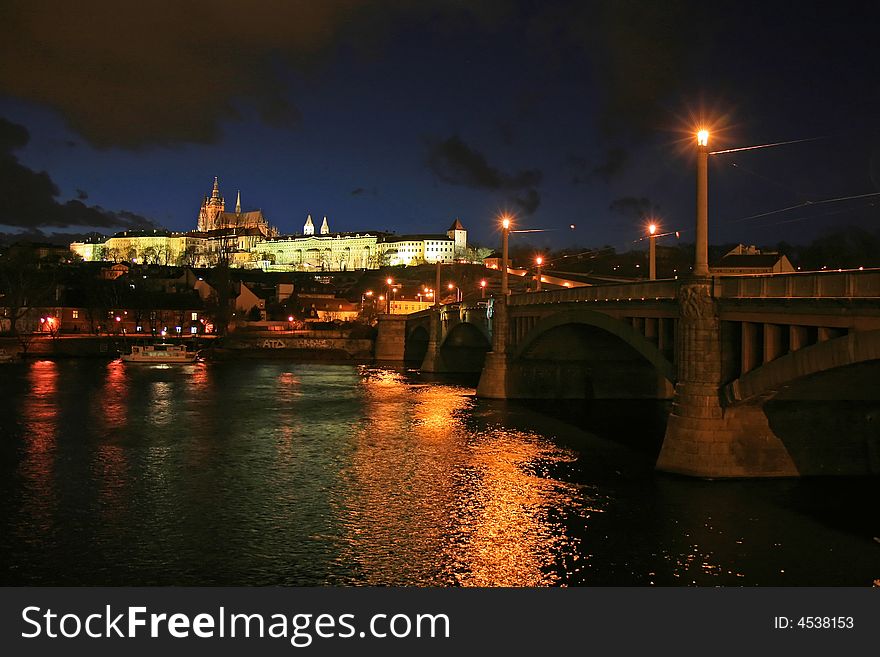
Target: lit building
[[213, 215], [245, 239]]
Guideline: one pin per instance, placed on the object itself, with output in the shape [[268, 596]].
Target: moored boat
[[160, 353]]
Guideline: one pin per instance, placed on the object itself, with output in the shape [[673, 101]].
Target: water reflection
[[279, 473], [40, 426], [467, 507]]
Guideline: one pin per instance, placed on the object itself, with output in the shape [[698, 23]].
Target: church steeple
[[238, 203], [325, 227], [216, 192], [309, 227]]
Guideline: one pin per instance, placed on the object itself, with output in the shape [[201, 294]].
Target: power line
[[778, 143], [803, 205]]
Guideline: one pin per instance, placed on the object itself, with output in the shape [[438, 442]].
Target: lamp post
[[701, 257], [389, 282], [652, 252], [437, 285], [538, 262], [483, 288], [453, 286], [505, 233]]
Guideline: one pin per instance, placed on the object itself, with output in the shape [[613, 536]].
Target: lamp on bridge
[[389, 282], [483, 288], [652, 251], [505, 234], [453, 286], [701, 257], [538, 262]]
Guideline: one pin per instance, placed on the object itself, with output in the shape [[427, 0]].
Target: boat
[[160, 353]]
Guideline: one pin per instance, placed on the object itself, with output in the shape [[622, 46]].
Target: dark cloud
[[528, 202], [37, 235], [29, 199], [456, 163], [634, 207], [278, 111], [172, 71], [612, 165]]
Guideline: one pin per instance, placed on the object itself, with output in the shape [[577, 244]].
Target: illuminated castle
[[213, 216]]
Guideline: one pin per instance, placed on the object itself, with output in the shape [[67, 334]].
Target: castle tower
[[325, 227], [309, 227], [458, 234], [211, 207]]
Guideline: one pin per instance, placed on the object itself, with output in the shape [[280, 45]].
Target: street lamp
[[652, 252], [538, 262], [505, 234], [388, 281], [701, 257], [453, 286], [483, 288]]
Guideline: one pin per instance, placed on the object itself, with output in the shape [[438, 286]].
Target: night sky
[[402, 116]]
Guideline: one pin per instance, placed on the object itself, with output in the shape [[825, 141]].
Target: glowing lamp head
[[290, 318], [703, 138], [505, 222], [652, 228], [539, 261], [483, 283], [389, 281], [450, 286]]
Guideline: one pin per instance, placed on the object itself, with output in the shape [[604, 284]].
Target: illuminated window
[[76, 314], [194, 317], [193, 329]]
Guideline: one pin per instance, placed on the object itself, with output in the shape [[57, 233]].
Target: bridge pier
[[493, 378], [703, 438], [391, 338], [433, 361]]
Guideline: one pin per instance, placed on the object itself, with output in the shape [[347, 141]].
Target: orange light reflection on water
[[465, 507], [39, 413]]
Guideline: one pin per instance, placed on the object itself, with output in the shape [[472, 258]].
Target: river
[[279, 473]]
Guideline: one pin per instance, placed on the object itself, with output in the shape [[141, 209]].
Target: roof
[[299, 236], [232, 231], [416, 238], [252, 214], [456, 225], [762, 260], [160, 232]]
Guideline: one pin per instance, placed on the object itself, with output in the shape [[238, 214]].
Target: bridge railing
[[640, 291], [830, 284]]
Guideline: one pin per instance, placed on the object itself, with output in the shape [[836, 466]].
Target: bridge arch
[[647, 349], [464, 348], [769, 378], [416, 344]]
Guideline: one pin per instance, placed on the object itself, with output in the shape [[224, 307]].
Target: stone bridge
[[768, 375]]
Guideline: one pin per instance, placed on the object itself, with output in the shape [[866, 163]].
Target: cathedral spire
[[309, 227], [325, 227], [238, 203], [216, 192]]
